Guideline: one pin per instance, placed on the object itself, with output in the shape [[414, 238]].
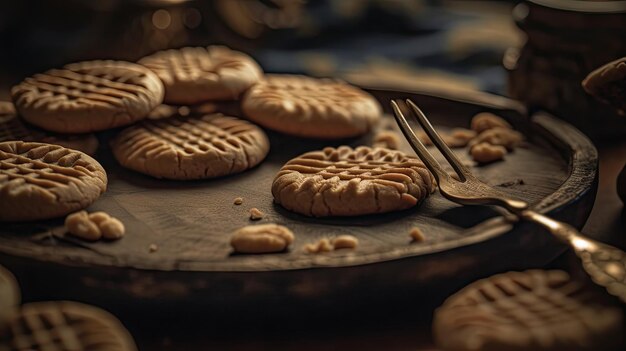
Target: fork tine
[[456, 164], [431, 163]]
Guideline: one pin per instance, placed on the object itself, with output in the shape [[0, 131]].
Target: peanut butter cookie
[[533, 310], [351, 182], [88, 96], [41, 181], [191, 148], [196, 74], [310, 107], [64, 326]]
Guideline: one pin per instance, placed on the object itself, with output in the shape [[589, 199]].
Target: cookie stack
[[167, 104]]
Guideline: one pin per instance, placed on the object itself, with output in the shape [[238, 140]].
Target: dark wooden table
[[392, 330]]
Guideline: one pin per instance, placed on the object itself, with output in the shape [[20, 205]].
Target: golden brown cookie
[[41, 181], [310, 107], [12, 128], [351, 182], [64, 326], [191, 148], [533, 310], [608, 84], [88, 96], [196, 74], [9, 295]]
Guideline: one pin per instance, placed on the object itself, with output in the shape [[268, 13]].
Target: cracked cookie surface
[[64, 326], [13, 128], [88, 96], [348, 182], [42, 181], [311, 107], [191, 148], [196, 74]]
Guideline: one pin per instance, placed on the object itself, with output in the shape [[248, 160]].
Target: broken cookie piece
[[263, 238], [345, 242], [487, 153], [323, 245], [486, 120], [499, 136], [94, 226]]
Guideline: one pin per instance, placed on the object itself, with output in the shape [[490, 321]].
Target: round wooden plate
[[191, 222]]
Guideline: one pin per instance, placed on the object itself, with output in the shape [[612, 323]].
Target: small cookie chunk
[[417, 235], [196, 74], [238, 201], [256, 214], [323, 245], [533, 310], [94, 226], [191, 148], [9, 295], [64, 326], [345, 242], [310, 107], [112, 229], [42, 181], [486, 120], [262, 238], [387, 139], [79, 225], [88, 96], [499, 136], [487, 153], [13, 128], [608, 84], [351, 182]]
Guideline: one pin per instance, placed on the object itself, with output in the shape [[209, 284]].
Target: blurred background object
[[408, 43], [567, 39]]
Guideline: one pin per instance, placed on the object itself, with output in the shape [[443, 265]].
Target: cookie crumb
[[153, 248], [345, 242], [508, 138], [417, 235], [256, 214], [487, 153], [238, 201], [323, 245]]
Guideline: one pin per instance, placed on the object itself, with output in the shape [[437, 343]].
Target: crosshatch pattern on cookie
[[63, 326], [126, 90], [539, 309], [346, 181], [309, 107], [192, 148], [195, 74], [62, 178]]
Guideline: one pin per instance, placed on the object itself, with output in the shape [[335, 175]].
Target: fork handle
[[605, 264]]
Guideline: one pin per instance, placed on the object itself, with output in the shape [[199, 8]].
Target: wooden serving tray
[[191, 222]]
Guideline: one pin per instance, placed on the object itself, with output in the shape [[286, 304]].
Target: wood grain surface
[[191, 222]]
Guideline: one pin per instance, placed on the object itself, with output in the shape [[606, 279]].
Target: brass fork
[[605, 264]]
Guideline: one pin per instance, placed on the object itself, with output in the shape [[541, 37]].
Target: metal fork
[[605, 264]]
